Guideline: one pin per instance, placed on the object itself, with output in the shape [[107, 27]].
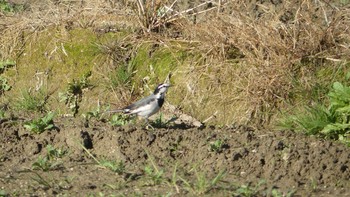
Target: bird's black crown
[[160, 87]]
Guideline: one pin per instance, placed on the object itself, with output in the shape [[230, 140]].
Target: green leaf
[[335, 128], [48, 118], [62, 97], [345, 110], [338, 86], [28, 126], [49, 127], [347, 77]]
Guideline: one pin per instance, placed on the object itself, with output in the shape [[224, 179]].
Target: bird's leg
[[147, 124]]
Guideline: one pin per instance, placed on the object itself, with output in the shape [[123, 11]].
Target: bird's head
[[161, 89]]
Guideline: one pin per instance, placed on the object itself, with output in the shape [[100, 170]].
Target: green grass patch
[[202, 184], [32, 101], [80, 50], [155, 62], [121, 76], [331, 122]]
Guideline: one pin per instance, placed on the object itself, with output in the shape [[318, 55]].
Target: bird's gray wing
[[136, 105]]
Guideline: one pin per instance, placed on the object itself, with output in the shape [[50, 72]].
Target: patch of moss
[[52, 58], [80, 50], [155, 62]]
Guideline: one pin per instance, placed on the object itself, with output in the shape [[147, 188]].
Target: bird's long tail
[[115, 111]]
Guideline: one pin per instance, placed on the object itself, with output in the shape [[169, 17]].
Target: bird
[[149, 105]]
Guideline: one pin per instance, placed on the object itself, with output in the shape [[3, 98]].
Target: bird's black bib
[[160, 102]]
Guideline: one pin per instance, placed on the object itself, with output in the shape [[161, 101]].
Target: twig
[[219, 7], [180, 15], [210, 117], [64, 50], [140, 6], [190, 9]]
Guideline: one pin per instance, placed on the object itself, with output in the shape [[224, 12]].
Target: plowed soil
[[251, 162]]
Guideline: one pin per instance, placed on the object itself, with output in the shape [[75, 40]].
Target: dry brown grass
[[39, 15], [274, 42], [249, 53]]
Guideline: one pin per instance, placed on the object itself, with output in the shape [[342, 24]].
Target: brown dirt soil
[[288, 162]]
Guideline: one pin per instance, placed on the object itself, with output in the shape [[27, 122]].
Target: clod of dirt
[[87, 141]]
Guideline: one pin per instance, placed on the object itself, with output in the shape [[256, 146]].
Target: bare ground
[[253, 162]]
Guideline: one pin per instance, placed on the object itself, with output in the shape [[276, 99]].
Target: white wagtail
[[147, 106]]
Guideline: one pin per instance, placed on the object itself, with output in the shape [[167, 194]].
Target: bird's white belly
[[147, 110]]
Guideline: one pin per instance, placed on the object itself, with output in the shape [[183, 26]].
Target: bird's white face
[[161, 89]]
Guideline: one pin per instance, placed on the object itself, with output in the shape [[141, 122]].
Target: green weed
[[51, 182], [247, 190], [92, 114], [174, 179], [344, 2], [120, 120], [310, 120], [118, 167], [175, 147], [7, 7], [154, 175], [313, 184], [6, 64], [73, 95], [32, 101], [217, 145], [48, 162], [203, 184], [114, 166], [96, 113], [159, 122], [332, 122], [41, 181], [4, 86], [53, 152], [44, 164], [277, 193], [40, 125], [3, 193]]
